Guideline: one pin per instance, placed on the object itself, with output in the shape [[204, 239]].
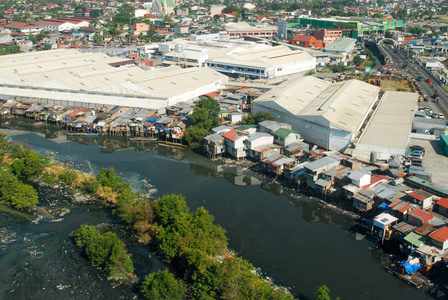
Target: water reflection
[[292, 237]]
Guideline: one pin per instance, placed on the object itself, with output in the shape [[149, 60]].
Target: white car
[[415, 156]]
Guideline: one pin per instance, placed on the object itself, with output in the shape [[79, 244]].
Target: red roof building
[[442, 206], [307, 41], [439, 238], [419, 217], [23, 27], [422, 198], [234, 141]]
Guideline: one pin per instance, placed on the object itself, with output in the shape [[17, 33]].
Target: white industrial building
[[329, 115], [387, 132], [71, 78], [195, 53], [264, 63]]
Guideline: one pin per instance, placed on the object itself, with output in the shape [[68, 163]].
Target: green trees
[[357, 60], [34, 164], [23, 165], [108, 177], [97, 38], [177, 230], [418, 31], [10, 50], [14, 192], [105, 250], [198, 249], [24, 196], [257, 118], [164, 286], [204, 117], [68, 176], [95, 13], [322, 293]]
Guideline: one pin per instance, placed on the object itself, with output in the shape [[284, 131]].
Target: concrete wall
[[260, 142], [383, 150], [311, 132]]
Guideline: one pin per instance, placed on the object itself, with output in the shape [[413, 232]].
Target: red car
[[428, 80]]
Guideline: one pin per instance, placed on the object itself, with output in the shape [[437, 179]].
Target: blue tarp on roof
[[410, 268], [385, 205], [151, 120]]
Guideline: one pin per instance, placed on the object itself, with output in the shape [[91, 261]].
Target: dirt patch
[[396, 85]]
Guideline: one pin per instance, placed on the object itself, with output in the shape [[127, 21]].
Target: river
[[292, 238]]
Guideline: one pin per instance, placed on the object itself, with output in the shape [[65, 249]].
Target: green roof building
[[414, 239], [351, 27]]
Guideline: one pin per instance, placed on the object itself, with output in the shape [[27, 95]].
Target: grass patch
[[397, 85]]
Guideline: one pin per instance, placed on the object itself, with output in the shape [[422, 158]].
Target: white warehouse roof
[[343, 105], [388, 130], [69, 75], [265, 57]]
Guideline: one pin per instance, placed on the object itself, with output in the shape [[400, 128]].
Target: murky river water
[[299, 243]]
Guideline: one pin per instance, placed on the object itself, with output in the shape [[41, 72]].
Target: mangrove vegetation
[[105, 250]]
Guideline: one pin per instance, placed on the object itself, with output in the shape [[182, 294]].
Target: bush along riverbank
[[18, 167], [105, 250], [195, 248]]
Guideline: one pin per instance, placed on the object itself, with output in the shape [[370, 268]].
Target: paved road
[[399, 59]]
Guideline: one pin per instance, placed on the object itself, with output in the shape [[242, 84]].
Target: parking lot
[[435, 162]]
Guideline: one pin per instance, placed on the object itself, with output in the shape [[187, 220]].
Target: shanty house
[[382, 225], [313, 169], [414, 240], [285, 137], [442, 206], [360, 178], [419, 217], [262, 152], [439, 238], [363, 200], [422, 198], [234, 141], [257, 139], [214, 144], [277, 167], [272, 126]]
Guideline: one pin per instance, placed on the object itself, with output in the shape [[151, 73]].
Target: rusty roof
[[440, 235], [443, 202], [404, 227], [421, 214], [425, 229]]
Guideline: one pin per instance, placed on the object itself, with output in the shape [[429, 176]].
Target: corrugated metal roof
[[282, 161], [440, 235], [215, 138], [317, 164], [421, 214], [341, 45], [283, 133], [415, 239], [386, 193], [404, 227]]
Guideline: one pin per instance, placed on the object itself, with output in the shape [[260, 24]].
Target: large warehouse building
[[71, 78], [387, 132], [265, 63], [329, 115]]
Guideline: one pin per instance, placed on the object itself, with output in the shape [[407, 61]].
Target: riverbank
[[292, 239], [111, 190], [255, 168]]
